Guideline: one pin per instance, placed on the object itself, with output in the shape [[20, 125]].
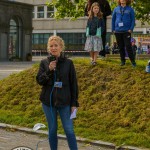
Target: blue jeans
[[51, 116]]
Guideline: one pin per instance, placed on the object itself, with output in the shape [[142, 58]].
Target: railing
[[67, 53], [138, 56], [86, 53], [76, 53], [39, 52], [143, 56]]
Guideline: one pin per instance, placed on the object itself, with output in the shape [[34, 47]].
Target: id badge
[[58, 84], [120, 24]]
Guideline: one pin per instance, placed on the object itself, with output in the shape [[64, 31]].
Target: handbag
[[87, 31], [98, 32]]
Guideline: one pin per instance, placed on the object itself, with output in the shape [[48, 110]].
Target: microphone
[[56, 59], [53, 58]]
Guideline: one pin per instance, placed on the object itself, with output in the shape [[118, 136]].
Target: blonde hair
[[58, 39], [91, 14]]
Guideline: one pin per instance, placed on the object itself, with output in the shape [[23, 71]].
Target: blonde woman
[[93, 42], [59, 94]]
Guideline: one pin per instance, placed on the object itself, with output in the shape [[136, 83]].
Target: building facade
[[73, 32], [15, 30]]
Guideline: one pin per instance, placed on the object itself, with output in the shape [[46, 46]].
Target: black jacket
[[65, 73]]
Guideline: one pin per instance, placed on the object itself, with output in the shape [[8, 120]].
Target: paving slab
[[7, 68], [11, 138]]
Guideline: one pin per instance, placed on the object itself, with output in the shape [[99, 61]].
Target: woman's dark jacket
[[65, 73]]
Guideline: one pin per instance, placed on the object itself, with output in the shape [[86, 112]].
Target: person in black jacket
[[57, 77], [106, 10]]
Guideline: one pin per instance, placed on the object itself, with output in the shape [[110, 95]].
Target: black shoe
[[133, 64], [122, 64]]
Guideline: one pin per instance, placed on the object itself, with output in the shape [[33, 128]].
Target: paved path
[[10, 138], [7, 68]]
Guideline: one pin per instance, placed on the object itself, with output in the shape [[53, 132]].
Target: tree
[[68, 8], [75, 8], [142, 10]]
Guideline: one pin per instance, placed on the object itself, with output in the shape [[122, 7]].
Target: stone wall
[[23, 13]]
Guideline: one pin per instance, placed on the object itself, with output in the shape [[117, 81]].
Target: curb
[[82, 140]]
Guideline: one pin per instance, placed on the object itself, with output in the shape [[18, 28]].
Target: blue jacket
[[126, 16]]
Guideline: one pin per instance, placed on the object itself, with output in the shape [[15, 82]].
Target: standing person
[[57, 77], [134, 48], [106, 10], [107, 48], [123, 22], [148, 49], [115, 48], [94, 43], [139, 48], [148, 67]]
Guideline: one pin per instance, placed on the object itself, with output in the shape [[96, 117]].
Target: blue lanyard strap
[[122, 10]]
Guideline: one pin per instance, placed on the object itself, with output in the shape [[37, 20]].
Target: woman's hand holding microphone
[[52, 65]]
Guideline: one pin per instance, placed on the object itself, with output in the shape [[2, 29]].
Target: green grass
[[114, 101]]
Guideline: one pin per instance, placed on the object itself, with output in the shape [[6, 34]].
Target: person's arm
[[135, 48], [88, 23], [43, 76], [113, 20], [107, 9], [73, 86], [132, 14]]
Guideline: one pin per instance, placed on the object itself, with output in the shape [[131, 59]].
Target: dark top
[[65, 73], [105, 8], [134, 48], [95, 23]]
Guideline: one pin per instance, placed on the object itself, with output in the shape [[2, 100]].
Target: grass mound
[[114, 102]]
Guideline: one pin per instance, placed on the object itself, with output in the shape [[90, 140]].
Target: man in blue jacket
[[123, 22]]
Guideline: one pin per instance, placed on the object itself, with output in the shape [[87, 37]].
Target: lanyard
[[122, 10]]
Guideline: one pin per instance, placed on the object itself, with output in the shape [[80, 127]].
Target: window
[[46, 36], [40, 12], [50, 12], [33, 14], [73, 41], [39, 41]]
